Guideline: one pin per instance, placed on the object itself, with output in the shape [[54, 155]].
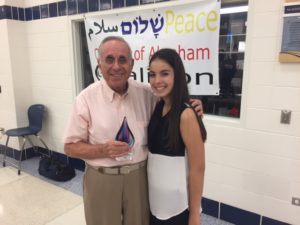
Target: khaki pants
[[116, 199]]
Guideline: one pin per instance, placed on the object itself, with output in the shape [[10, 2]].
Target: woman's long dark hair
[[179, 95]]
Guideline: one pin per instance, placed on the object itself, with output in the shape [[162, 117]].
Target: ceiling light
[[236, 9]]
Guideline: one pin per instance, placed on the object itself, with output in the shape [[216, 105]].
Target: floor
[[30, 199]]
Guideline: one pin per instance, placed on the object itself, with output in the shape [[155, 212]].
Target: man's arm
[[76, 136], [111, 149]]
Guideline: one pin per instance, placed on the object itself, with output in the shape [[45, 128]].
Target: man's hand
[[110, 149], [197, 105], [113, 149]]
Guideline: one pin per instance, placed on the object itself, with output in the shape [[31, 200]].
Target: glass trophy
[[124, 134]]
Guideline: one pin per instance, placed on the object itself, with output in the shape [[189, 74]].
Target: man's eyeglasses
[[110, 60]]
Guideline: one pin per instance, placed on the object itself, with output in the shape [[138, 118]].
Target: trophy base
[[124, 157]]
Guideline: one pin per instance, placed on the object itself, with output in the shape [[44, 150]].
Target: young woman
[[176, 143]]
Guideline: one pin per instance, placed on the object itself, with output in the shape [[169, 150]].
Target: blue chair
[[35, 117]]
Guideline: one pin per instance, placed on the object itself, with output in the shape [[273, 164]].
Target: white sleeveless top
[[167, 180]]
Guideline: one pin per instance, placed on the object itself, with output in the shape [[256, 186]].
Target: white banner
[[192, 29]]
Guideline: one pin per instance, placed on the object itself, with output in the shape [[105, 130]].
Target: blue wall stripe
[[62, 8], [15, 13], [118, 4], [82, 6], [67, 7], [72, 7], [268, 221], [28, 14], [44, 11], [53, 9], [36, 13], [238, 216], [5, 12], [93, 5], [105, 4], [21, 12], [210, 207]]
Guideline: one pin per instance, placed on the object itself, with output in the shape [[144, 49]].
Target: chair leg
[[32, 145], [20, 159], [30, 141], [5, 152], [42, 141]]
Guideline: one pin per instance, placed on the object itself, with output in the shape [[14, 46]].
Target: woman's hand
[[194, 219]]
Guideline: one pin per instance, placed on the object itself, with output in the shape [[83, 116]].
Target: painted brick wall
[[254, 163]]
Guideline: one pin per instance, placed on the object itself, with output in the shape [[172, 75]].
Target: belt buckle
[[125, 170]]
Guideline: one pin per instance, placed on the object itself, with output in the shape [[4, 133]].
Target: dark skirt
[[180, 219]]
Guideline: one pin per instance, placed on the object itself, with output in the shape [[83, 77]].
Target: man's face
[[115, 64]]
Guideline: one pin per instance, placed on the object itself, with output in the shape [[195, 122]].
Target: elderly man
[[115, 186]]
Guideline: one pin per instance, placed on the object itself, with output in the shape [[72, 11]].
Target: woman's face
[[161, 76]]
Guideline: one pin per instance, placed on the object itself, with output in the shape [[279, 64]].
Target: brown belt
[[118, 170]]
